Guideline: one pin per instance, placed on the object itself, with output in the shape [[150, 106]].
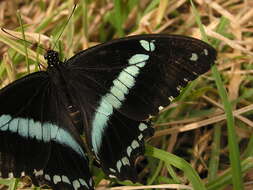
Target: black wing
[[119, 84], [38, 138]]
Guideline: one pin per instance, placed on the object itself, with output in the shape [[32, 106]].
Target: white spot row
[[135, 144], [11, 175], [194, 56], [64, 179], [45, 132]]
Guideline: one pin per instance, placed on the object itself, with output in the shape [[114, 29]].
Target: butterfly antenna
[[20, 38], [63, 28]]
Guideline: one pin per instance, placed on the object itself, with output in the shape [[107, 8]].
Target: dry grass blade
[[202, 123]]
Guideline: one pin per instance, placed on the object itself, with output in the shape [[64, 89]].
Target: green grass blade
[[20, 49], [226, 178], [179, 163], [49, 19], [249, 150], [156, 173], [118, 17], [198, 20], [234, 154], [24, 42], [172, 173], [215, 154]]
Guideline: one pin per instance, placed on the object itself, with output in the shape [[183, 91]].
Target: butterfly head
[[52, 58]]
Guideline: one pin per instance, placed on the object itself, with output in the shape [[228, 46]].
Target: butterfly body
[[106, 93]]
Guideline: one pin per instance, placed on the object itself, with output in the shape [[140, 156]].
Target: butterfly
[[106, 93]]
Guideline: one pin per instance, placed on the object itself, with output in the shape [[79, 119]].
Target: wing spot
[[23, 174], [179, 88], [112, 170], [127, 79], [35, 130], [140, 137], [56, 179], [161, 108], [83, 182], [135, 144], [171, 98], [118, 93], [148, 46], [65, 179], [115, 102], [194, 57], [10, 175], [23, 127], [129, 150], [119, 165], [186, 80], [13, 126], [90, 182], [112, 176], [120, 86], [206, 52], [142, 127], [140, 65], [76, 184], [125, 161], [47, 177], [138, 58], [4, 122], [132, 70], [38, 173]]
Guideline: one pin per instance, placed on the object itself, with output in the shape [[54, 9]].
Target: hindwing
[[38, 138]]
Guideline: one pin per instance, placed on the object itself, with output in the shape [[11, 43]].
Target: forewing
[[37, 136], [142, 72], [129, 79]]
